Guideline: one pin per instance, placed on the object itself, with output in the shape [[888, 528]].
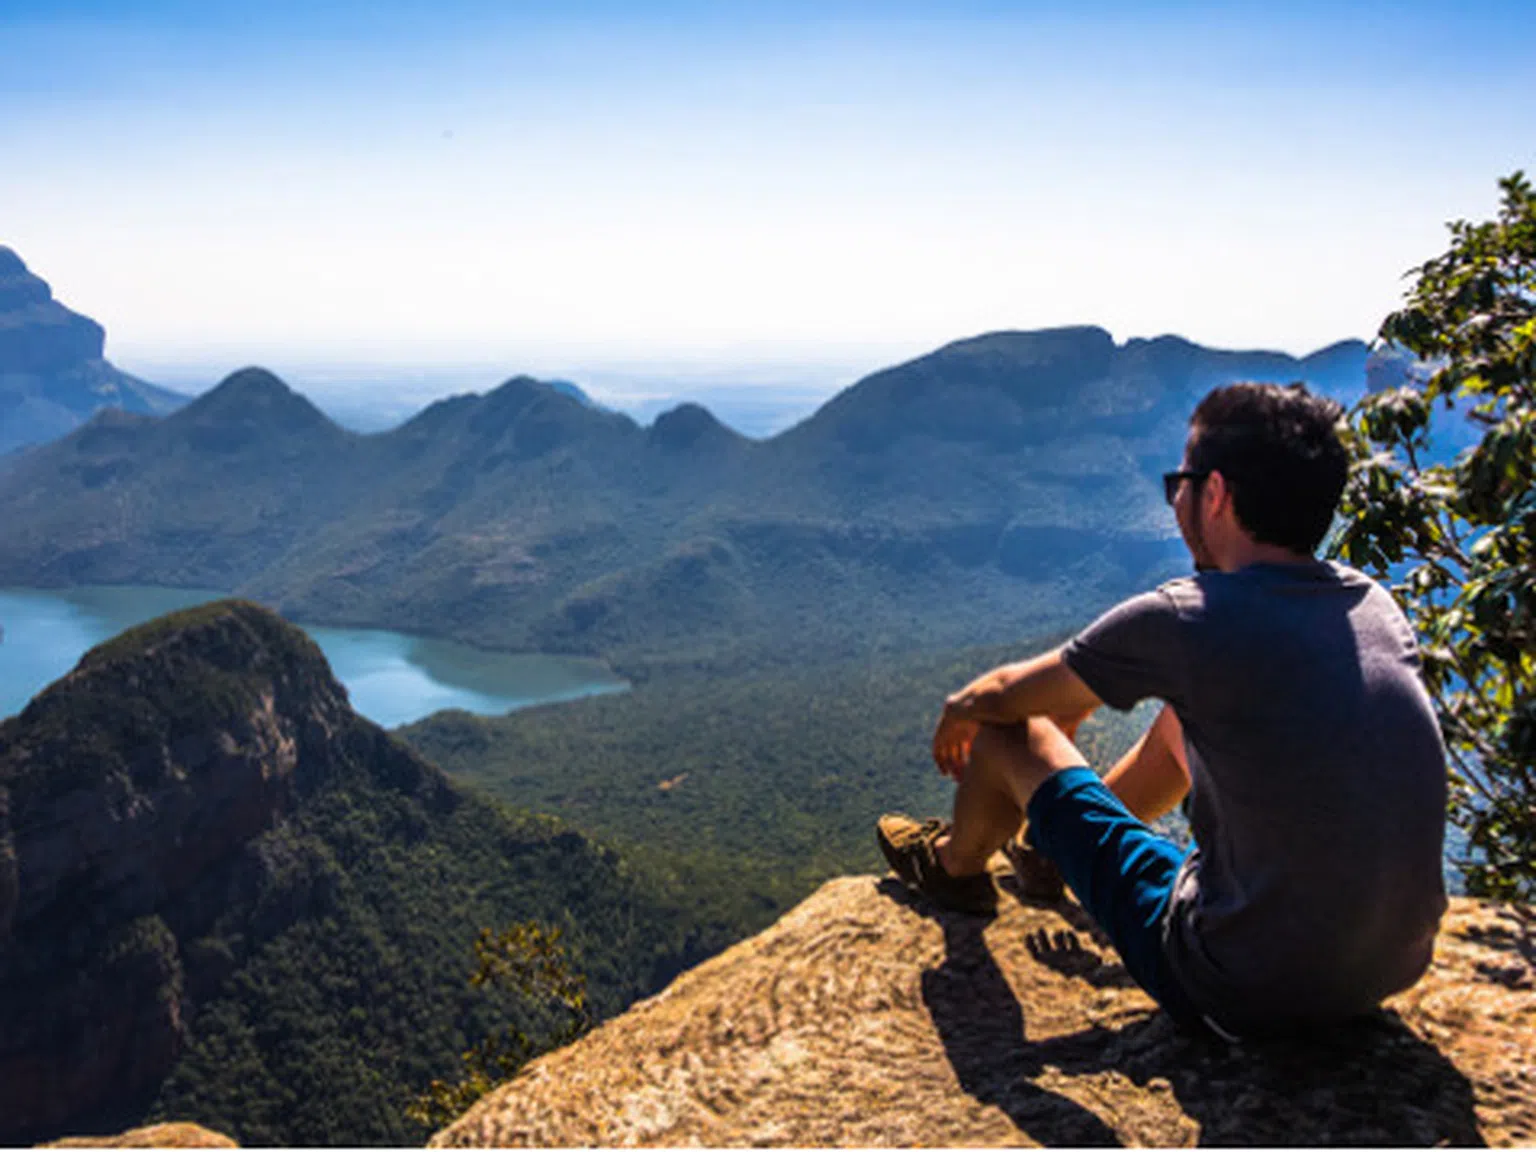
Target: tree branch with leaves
[[529, 959], [1457, 537]]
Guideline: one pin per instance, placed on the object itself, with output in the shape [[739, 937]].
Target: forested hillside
[[226, 898], [746, 791]]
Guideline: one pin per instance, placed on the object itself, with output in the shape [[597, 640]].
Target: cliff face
[[129, 794], [37, 333], [866, 1018], [138, 770], [52, 372]]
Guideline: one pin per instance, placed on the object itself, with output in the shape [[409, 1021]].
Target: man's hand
[[1008, 695], [952, 741]]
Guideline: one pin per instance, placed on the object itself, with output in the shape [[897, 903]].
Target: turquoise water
[[392, 678]]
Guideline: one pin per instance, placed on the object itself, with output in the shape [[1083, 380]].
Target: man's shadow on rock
[[1370, 1082], [981, 1026]]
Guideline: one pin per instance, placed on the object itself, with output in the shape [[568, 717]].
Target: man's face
[[1186, 510]]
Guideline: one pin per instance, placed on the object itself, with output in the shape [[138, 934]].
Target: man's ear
[[1215, 493]]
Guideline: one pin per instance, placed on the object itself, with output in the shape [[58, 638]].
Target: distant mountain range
[[997, 486], [52, 374]]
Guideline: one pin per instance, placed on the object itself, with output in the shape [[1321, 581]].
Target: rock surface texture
[[152, 1136], [865, 1017]]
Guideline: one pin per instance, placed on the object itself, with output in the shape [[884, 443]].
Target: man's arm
[[1153, 776], [1040, 686], [1011, 694]]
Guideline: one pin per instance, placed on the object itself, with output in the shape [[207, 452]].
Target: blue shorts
[[1121, 872]]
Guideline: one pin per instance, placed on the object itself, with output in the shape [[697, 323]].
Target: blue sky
[[550, 187]]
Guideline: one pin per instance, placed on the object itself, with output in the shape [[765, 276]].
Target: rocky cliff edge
[[865, 1017]]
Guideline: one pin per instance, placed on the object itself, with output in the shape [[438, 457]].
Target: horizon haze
[[829, 188]]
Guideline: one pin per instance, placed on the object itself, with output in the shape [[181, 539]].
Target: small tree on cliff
[[1461, 536], [529, 959]]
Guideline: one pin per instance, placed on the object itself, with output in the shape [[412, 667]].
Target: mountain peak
[[52, 374], [574, 391], [689, 426], [10, 263], [509, 399], [867, 1017], [1167, 342], [206, 665], [1350, 348], [38, 335], [520, 390], [542, 415], [254, 383], [229, 635], [1073, 340], [989, 389], [519, 384], [255, 400]]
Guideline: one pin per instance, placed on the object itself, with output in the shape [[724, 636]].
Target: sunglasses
[[1172, 480]]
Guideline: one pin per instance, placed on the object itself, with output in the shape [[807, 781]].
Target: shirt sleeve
[[1131, 653]]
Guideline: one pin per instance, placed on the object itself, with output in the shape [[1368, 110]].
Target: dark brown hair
[[1278, 448]]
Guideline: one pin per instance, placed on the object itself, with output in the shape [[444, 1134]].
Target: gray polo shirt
[[1318, 792]]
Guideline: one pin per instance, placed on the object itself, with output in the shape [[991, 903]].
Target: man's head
[[1270, 458]]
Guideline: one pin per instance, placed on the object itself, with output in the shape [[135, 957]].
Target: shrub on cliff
[[529, 960], [1461, 536]]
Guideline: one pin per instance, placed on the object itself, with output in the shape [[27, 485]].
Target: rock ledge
[[864, 1017]]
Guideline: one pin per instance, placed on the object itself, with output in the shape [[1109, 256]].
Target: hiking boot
[[1033, 873], [909, 847]]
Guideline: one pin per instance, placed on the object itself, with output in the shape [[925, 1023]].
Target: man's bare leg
[[1153, 776], [1150, 780], [1006, 765]]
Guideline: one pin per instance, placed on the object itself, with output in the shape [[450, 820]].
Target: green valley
[[745, 791]]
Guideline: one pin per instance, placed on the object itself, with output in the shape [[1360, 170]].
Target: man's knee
[[1022, 755]]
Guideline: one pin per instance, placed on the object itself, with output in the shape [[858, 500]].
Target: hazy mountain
[[378, 399], [998, 486], [225, 897], [52, 374], [574, 391]]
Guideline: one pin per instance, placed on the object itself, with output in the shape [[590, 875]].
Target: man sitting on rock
[[1294, 718]]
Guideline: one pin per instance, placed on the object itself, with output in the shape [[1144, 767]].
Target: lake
[[392, 678]]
